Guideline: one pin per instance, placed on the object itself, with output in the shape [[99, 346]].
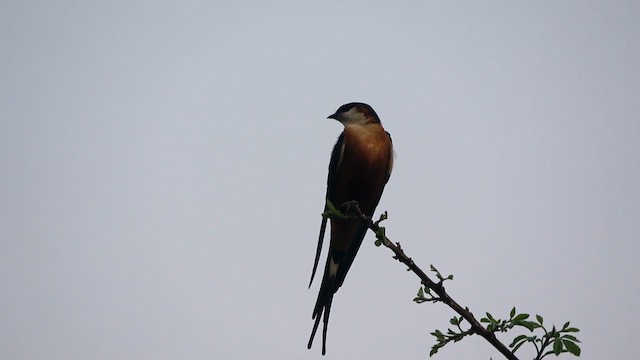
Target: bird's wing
[[334, 169]]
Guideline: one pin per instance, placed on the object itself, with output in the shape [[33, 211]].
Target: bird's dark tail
[[323, 304], [335, 270]]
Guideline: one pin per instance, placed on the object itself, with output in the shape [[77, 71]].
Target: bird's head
[[355, 113]]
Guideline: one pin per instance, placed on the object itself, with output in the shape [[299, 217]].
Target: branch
[[353, 209]]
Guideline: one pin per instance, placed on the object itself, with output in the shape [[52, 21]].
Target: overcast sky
[[163, 167]]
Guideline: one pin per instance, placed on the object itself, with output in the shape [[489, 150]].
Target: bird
[[360, 167]]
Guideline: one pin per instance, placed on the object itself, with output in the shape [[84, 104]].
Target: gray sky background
[[164, 167]]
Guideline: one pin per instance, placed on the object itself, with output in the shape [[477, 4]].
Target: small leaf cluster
[[425, 295], [424, 292], [381, 233], [439, 276], [498, 325], [561, 341], [451, 335]]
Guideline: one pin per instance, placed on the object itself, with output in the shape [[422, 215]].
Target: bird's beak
[[333, 116]]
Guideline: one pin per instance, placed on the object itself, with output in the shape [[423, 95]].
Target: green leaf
[[377, 243], [491, 318], [570, 337], [566, 325], [528, 324], [331, 207], [454, 321], [513, 313], [517, 346], [572, 347], [434, 349], [539, 318], [381, 233], [518, 338], [572, 329], [557, 347], [521, 317]]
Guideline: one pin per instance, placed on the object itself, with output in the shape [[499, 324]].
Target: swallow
[[360, 166]]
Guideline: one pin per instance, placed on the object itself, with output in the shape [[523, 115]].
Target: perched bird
[[359, 169]]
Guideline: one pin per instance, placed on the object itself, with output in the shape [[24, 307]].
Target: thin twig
[[400, 255]]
